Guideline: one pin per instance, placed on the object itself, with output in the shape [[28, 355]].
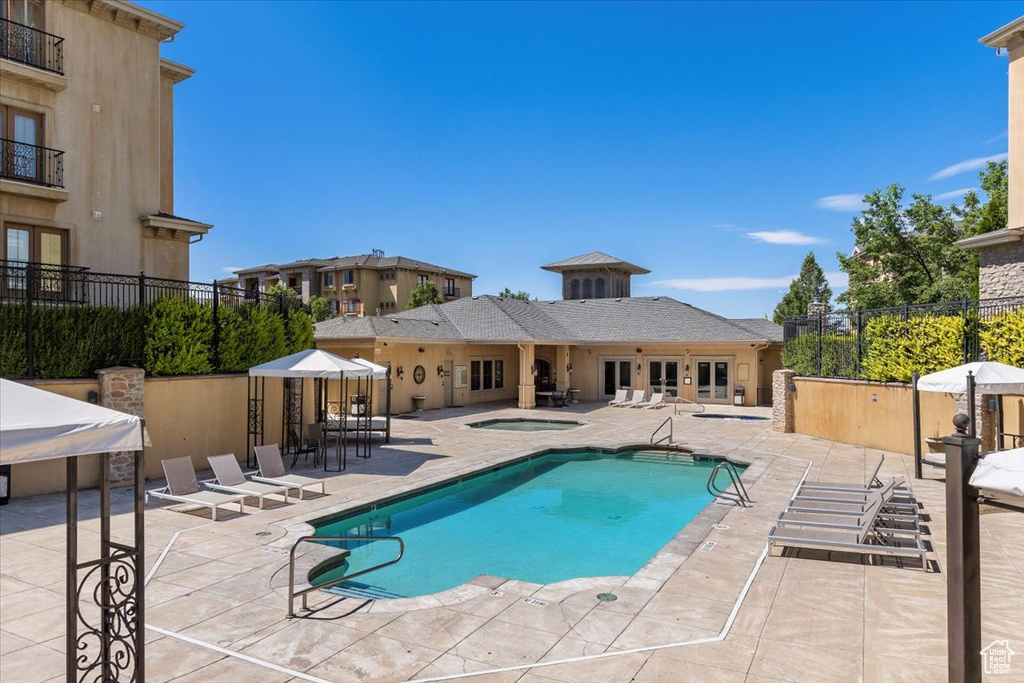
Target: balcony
[[31, 55], [451, 293], [31, 170]]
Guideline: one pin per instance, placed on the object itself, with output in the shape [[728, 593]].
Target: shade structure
[[1001, 474], [39, 425], [316, 363], [989, 378]]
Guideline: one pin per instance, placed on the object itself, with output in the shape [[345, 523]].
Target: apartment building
[[87, 138], [366, 284]]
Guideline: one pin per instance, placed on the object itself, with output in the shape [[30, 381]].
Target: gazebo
[[322, 367], [105, 602], [988, 377]]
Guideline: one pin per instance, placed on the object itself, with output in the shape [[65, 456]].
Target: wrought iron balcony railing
[[24, 44], [31, 163]]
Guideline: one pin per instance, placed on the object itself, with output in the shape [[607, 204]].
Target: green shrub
[[298, 330], [319, 308], [838, 355], [13, 362], [1002, 338], [249, 335], [894, 348], [179, 337], [75, 341]]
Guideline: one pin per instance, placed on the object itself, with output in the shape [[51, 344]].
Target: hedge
[[838, 355], [894, 348], [250, 335], [1002, 338], [179, 337]]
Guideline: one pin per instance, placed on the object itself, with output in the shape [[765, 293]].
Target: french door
[[713, 381], [663, 376], [616, 373]]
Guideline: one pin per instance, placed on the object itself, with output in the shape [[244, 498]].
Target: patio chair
[[229, 477], [657, 401], [846, 516], [620, 397], [872, 483], [637, 399], [183, 487], [272, 471]]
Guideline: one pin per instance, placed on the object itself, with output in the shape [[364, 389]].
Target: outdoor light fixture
[[420, 349], [569, 368], [440, 370], [399, 372], [355, 355], [639, 368], [639, 350], [687, 367], [533, 370]]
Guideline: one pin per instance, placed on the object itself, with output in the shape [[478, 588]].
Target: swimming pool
[[549, 518], [523, 424]]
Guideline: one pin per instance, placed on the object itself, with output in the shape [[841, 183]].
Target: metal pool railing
[[740, 496]]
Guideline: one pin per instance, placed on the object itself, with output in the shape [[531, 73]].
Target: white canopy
[[40, 425], [989, 378], [317, 363], [1001, 472]]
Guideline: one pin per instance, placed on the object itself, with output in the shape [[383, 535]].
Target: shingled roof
[[493, 319], [382, 262], [594, 259]]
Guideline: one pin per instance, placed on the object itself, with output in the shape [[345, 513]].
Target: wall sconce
[[639, 368], [791, 388], [420, 349], [355, 355], [569, 368], [400, 372], [639, 350], [93, 397], [440, 370], [533, 370], [687, 367]]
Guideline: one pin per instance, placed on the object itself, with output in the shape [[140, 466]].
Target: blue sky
[[714, 144]]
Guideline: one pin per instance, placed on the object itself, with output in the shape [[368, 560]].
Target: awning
[[40, 425], [989, 378], [1001, 473], [317, 363]]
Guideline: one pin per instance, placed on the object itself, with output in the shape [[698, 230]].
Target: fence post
[[142, 289], [819, 316], [963, 312], [280, 305], [860, 331], [216, 327], [29, 289]]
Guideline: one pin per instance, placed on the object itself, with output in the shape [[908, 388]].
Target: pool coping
[[655, 572]]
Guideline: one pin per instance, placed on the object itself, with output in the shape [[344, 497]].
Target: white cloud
[[725, 284], [953, 194], [841, 202], [838, 279], [784, 237], [996, 138], [965, 166], [230, 270], [723, 226]]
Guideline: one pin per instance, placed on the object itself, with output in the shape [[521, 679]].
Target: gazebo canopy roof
[[317, 363], [40, 425], [989, 378]]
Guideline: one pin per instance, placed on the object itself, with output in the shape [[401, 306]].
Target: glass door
[[616, 374], [663, 377], [722, 381], [713, 381]]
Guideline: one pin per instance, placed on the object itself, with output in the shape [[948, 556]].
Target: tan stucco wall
[[869, 414], [112, 158], [373, 292], [1013, 415]]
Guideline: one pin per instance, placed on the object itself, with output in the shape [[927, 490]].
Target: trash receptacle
[[737, 396]]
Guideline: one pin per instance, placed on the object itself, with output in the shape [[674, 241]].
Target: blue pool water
[[526, 425], [551, 518]]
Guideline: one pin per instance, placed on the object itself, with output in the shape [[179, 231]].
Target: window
[[26, 12], [486, 374], [422, 279], [351, 306], [574, 289], [588, 289], [348, 277], [22, 132], [449, 286], [328, 279], [48, 246], [599, 288]]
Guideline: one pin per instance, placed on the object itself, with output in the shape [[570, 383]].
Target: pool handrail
[[313, 538], [685, 401], [740, 497], [671, 433]]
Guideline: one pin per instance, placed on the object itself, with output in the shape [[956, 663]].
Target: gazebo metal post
[[917, 427], [71, 571], [140, 562], [972, 430], [105, 566]]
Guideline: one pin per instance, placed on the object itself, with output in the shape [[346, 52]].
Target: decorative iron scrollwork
[[255, 415], [105, 606]]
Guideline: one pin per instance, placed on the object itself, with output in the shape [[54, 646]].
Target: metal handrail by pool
[[292, 594], [671, 432], [742, 497], [684, 401]]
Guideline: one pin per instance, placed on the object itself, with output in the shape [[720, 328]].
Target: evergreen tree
[[810, 285], [425, 293]]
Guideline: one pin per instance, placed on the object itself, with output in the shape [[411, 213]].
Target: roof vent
[[394, 320], [434, 322], [655, 298], [618, 299]]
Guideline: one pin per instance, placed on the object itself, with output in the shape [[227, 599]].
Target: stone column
[[782, 402], [123, 389], [985, 430], [527, 388]]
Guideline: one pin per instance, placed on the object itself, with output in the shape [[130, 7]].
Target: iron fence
[[885, 343], [24, 44], [31, 163], [46, 308]]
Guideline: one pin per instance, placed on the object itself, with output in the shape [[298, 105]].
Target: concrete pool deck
[[216, 606]]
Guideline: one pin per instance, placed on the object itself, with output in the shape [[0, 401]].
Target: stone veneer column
[[782, 402], [123, 389], [985, 430]]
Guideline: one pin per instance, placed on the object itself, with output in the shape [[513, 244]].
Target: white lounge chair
[[637, 399], [620, 397], [229, 478], [657, 401], [272, 471], [182, 487]]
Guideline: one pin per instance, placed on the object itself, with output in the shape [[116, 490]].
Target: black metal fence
[[31, 163], [31, 293], [24, 44], [887, 344]]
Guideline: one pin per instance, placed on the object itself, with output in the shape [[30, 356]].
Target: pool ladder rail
[[739, 496], [292, 593]]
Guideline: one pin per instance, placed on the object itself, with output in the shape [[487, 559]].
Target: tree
[[978, 218], [810, 285], [509, 294], [282, 290], [319, 308], [425, 293]]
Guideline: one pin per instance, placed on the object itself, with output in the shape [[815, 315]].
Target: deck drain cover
[[720, 527], [607, 597], [263, 533]]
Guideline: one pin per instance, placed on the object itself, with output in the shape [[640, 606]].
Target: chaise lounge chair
[[657, 401], [637, 399], [229, 478], [620, 397], [182, 487], [272, 471], [847, 516], [873, 483]]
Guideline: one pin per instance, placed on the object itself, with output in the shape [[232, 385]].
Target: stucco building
[[357, 286], [87, 163], [1001, 253], [595, 276]]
